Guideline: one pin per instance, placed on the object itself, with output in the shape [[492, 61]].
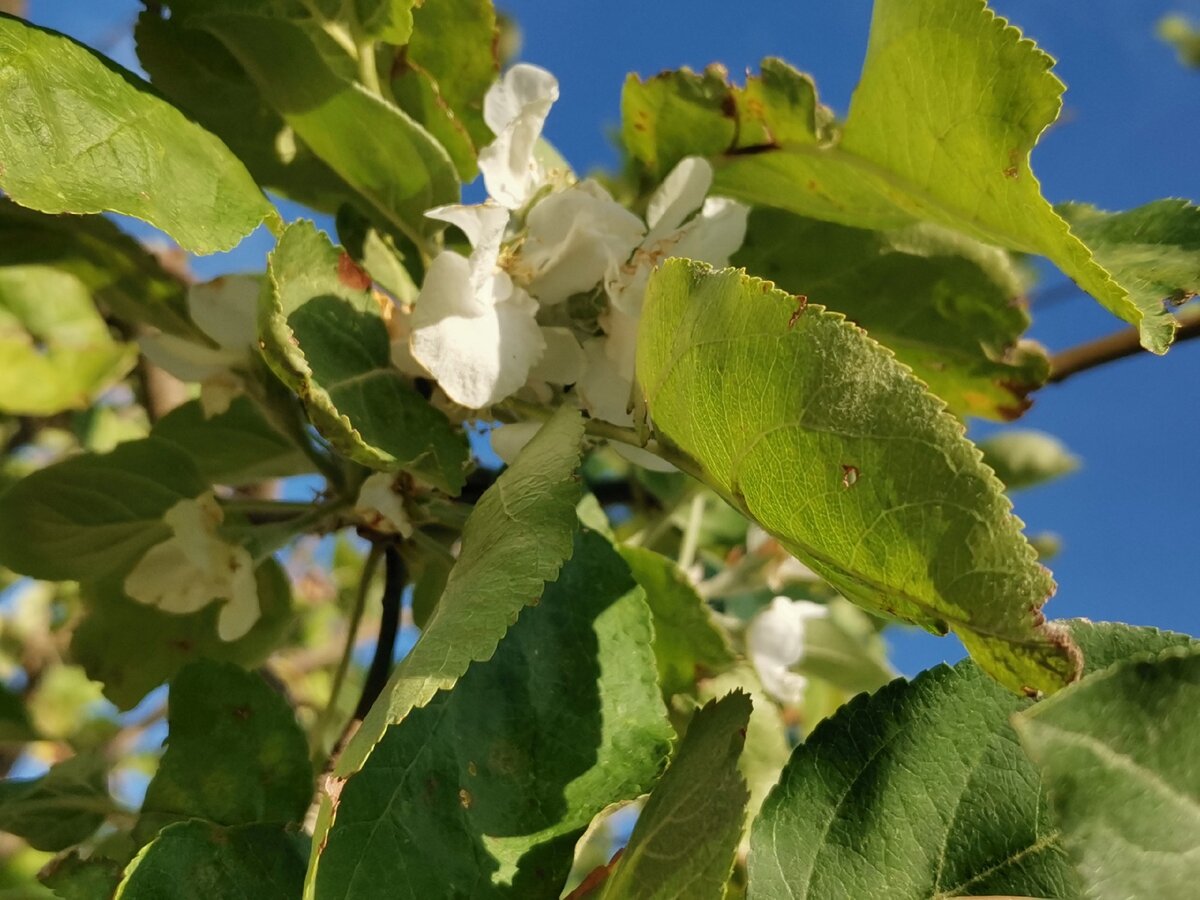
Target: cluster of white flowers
[[478, 326]]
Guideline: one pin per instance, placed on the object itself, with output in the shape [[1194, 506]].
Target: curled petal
[[382, 507], [226, 309], [574, 237], [642, 456], [680, 195], [715, 234], [242, 609], [515, 108], [483, 224]]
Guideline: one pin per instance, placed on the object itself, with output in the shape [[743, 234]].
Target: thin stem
[[339, 676], [368, 68], [691, 534], [266, 539], [1111, 348], [394, 578]]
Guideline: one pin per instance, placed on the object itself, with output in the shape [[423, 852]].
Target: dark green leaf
[[14, 719], [849, 461], [516, 540], [235, 447], [1022, 459], [61, 808], [94, 513], [198, 861], [235, 755], [132, 648], [684, 842], [921, 790], [945, 305], [80, 135], [687, 643], [73, 878], [324, 335], [1117, 753], [380, 151], [484, 791]]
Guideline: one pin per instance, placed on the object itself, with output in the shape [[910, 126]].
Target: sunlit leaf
[[80, 135], [820, 436], [61, 808]]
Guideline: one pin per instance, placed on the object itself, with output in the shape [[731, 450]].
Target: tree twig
[[394, 577], [1111, 348]]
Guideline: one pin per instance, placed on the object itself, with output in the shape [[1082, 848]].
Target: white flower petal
[[483, 224], [621, 344], [515, 108], [480, 357], [384, 509], [217, 393], [775, 643], [642, 456], [186, 360], [509, 440], [604, 387], [226, 309], [574, 237], [242, 610], [680, 195], [715, 234], [564, 360], [165, 577]]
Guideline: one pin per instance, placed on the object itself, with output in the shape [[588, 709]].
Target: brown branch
[[1111, 348]]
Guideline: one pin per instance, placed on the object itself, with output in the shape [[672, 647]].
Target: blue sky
[[1130, 518]]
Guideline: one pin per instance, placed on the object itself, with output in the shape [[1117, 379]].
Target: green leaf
[[235, 447], [844, 649], [1117, 756], [394, 163], [1153, 250], [454, 42], [687, 642], [387, 20], [516, 540], [73, 878], [684, 842], [1180, 33], [14, 718], [950, 103], [56, 352], [94, 513], [819, 435], [324, 335], [198, 861], [235, 755], [133, 648], [921, 790], [122, 275], [195, 71], [945, 305], [1022, 459], [61, 808], [80, 135], [481, 788]]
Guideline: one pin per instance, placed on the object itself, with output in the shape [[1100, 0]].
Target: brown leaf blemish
[[351, 274], [801, 306], [849, 476]]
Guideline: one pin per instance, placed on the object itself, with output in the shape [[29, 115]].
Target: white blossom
[[775, 643], [226, 310], [515, 108], [195, 567], [382, 507], [509, 440], [472, 329]]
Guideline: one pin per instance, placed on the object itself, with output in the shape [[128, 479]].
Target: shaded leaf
[[94, 513], [820, 436], [945, 305], [56, 352], [133, 648], [235, 755], [945, 140], [198, 861], [1022, 458], [80, 135], [61, 808], [203, 79], [14, 719], [1117, 755], [515, 541], [73, 878], [844, 649], [687, 642], [478, 793], [921, 790], [684, 841], [324, 335], [235, 447], [394, 163]]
